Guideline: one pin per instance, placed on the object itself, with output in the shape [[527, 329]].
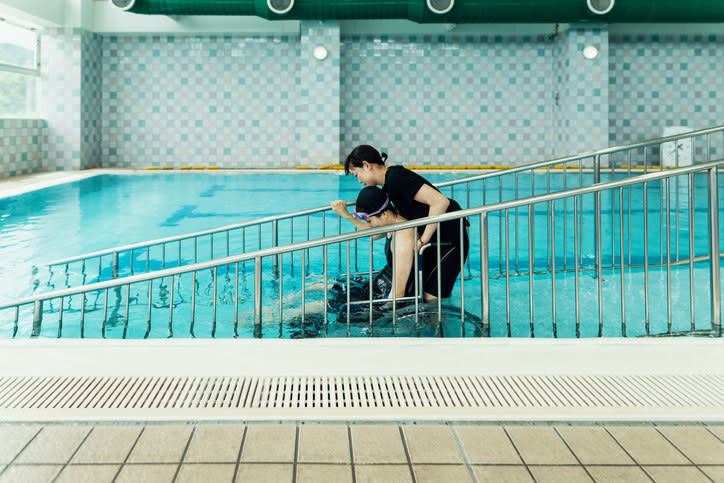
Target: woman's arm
[[438, 204], [403, 261]]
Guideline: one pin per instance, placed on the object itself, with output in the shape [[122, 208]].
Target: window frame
[[16, 69]]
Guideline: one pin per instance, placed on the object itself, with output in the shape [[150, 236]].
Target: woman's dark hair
[[364, 152]]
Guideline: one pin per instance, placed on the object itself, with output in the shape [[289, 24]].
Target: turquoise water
[[111, 210]]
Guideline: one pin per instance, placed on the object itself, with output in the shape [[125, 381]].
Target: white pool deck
[[524, 380]]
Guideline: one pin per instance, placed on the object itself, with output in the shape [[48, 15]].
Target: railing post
[[257, 297], [275, 243], [714, 266], [37, 318], [484, 274], [115, 266], [599, 260]]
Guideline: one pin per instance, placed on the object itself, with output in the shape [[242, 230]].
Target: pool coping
[[542, 366]]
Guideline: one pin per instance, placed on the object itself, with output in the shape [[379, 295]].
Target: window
[[19, 70]]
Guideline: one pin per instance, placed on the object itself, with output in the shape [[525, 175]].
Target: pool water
[[111, 210]]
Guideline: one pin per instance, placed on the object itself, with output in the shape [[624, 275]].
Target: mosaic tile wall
[[317, 110], [61, 97], [22, 144], [580, 93], [448, 100], [91, 103], [665, 80], [235, 101], [226, 101]]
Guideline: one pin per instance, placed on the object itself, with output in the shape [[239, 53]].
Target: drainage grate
[[207, 393]]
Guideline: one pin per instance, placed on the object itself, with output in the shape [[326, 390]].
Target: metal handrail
[[367, 233], [274, 219]]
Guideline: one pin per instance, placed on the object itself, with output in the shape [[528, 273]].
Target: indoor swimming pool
[[112, 210]]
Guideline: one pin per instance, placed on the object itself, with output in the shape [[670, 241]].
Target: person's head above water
[[361, 153], [371, 201]]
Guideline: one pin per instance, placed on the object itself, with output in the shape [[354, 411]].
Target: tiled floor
[[361, 452]]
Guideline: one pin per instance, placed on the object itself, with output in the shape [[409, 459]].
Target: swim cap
[[371, 201]]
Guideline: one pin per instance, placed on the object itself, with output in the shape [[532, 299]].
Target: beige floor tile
[[161, 444], [262, 473], [646, 445], [377, 444], [269, 443], [628, 474], [540, 445], [215, 444], [432, 444], [30, 473], [309, 473], [203, 473], [696, 442], [107, 444], [716, 473], [54, 444], [323, 444], [88, 474], [382, 473], [558, 474], [435, 473], [676, 474], [594, 446], [502, 474], [487, 444], [161, 473], [13, 439]]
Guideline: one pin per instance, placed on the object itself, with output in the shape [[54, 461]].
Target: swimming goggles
[[363, 216]]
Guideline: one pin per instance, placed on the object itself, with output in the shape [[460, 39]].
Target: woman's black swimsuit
[[401, 186]]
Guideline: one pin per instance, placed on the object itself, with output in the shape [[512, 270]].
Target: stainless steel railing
[[166, 302], [493, 187]]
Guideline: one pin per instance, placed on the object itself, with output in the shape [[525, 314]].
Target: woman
[[414, 197], [373, 209]]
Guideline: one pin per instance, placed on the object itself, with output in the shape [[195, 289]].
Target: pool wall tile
[[91, 101], [449, 99], [230, 100], [22, 146], [658, 81], [61, 53]]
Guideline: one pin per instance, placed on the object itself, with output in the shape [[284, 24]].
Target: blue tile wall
[[317, 110], [91, 102], [61, 96], [226, 101], [665, 80], [237, 101], [22, 144], [448, 100], [580, 93]]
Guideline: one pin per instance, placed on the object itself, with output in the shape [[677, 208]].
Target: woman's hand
[[340, 207], [421, 243]]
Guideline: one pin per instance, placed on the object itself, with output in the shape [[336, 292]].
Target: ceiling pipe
[[456, 11]]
